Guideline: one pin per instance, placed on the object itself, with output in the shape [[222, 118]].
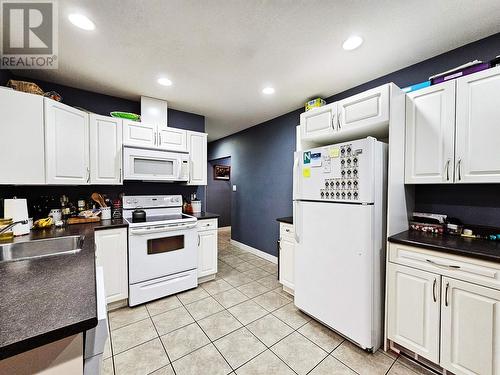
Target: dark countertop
[[470, 247], [46, 299], [205, 215], [287, 219]]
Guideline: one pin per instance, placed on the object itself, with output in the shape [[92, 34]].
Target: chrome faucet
[[5, 229]]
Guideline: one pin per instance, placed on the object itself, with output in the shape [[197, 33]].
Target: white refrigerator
[[339, 197]]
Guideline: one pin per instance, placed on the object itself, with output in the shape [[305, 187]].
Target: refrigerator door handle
[[295, 186], [296, 221]]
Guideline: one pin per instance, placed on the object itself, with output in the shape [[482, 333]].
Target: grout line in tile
[[161, 341], [128, 324], [211, 342]]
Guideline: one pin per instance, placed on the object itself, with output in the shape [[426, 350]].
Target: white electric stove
[[162, 248]]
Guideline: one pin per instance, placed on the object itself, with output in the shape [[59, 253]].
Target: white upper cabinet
[[105, 150], [470, 328], [413, 305], [319, 123], [139, 134], [172, 139], [367, 109], [478, 127], [359, 116], [21, 137], [66, 144], [430, 134], [197, 147]]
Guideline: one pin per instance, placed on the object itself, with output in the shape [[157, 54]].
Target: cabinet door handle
[[459, 169], [446, 294], [448, 170], [339, 117], [434, 290], [442, 265], [159, 139], [333, 122], [198, 240], [155, 138], [88, 175], [287, 230]]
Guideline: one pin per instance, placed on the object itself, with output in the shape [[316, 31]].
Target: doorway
[[219, 190]]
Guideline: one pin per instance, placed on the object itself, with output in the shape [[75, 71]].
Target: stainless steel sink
[[40, 248]]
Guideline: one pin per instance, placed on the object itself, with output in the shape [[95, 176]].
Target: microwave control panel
[[346, 185]]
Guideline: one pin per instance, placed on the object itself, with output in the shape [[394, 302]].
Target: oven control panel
[[151, 201]]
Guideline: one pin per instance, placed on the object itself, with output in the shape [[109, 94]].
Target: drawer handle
[[446, 294], [449, 266], [434, 290], [287, 230]]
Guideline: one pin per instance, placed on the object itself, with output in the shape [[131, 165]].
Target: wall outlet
[[234, 187]]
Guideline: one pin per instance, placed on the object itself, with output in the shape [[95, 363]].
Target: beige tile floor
[[240, 323]]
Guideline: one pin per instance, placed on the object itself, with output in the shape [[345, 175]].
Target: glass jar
[[8, 235]]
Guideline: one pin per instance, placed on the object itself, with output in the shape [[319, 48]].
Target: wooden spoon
[[102, 201], [96, 197]]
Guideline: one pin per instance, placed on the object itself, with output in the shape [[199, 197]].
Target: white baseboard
[[255, 251]]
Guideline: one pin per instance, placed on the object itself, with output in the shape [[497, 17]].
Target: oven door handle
[[164, 228]]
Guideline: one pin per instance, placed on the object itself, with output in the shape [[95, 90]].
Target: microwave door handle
[[179, 168]]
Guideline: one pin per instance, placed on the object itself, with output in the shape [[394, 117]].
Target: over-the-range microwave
[[155, 165]]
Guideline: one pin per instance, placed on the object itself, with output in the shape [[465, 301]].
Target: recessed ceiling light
[[352, 42], [268, 90], [81, 21], [164, 82]]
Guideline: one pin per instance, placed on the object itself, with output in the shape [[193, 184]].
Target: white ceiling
[[221, 53]]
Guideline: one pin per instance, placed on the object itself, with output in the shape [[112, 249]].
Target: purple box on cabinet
[[459, 73]]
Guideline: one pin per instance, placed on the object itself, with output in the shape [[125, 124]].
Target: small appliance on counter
[[17, 210], [195, 204]]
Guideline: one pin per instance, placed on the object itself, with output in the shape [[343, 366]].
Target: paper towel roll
[[17, 209]]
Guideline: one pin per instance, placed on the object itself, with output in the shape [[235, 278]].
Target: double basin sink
[[10, 252]]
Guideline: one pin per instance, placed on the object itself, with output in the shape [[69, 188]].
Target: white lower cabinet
[[470, 328], [413, 310], [207, 247], [287, 257], [111, 254], [453, 323]]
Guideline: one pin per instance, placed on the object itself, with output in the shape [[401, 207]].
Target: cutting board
[[82, 220]]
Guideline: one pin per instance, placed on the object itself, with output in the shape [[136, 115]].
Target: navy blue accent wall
[[5, 75], [262, 158], [104, 104], [33, 193], [477, 204], [261, 169], [218, 193]]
